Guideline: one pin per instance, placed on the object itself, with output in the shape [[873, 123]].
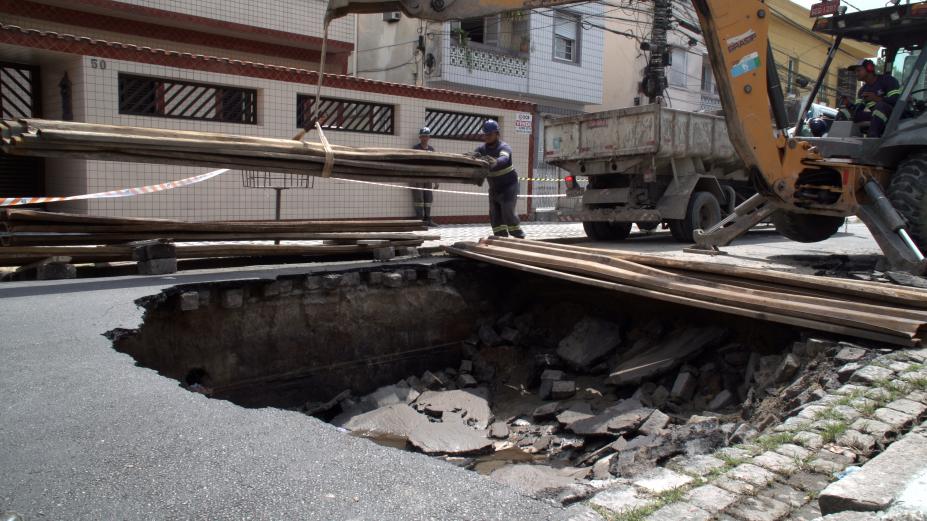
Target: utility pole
[[655, 76]]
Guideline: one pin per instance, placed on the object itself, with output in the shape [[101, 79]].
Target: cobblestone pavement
[[781, 474]]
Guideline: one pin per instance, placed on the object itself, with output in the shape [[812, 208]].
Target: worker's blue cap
[[490, 126], [424, 131]]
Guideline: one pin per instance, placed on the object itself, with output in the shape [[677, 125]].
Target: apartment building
[[548, 57], [234, 66]]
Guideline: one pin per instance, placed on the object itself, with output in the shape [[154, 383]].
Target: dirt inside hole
[[554, 388]]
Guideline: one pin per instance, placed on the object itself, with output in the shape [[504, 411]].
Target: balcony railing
[[488, 59], [710, 102]]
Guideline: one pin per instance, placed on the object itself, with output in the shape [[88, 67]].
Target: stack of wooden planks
[[874, 311], [29, 236], [45, 138]]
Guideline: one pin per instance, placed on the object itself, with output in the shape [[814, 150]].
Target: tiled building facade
[[98, 61]]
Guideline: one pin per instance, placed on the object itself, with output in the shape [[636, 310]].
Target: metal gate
[[20, 97]]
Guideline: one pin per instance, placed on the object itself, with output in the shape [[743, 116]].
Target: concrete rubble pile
[[563, 418]]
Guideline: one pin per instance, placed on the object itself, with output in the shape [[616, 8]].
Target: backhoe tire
[[704, 211], [907, 192], [607, 231], [802, 227]]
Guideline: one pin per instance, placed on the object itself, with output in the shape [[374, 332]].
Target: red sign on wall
[[825, 8]]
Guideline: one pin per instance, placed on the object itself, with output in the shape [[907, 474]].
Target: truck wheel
[[607, 231], [704, 212], [908, 194], [648, 227], [802, 227]]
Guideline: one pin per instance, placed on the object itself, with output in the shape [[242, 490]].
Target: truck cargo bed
[[629, 134]]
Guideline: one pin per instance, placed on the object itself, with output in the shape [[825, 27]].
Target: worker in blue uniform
[[876, 98], [503, 183], [423, 196]]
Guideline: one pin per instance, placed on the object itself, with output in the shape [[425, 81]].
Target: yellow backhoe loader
[[807, 186]]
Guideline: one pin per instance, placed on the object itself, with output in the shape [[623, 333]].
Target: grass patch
[[919, 383], [894, 388], [773, 441], [869, 408], [833, 431], [730, 461], [829, 414], [641, 513]]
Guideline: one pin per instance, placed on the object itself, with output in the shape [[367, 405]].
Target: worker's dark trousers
[[421, 200], [877, 118], [502, 212]]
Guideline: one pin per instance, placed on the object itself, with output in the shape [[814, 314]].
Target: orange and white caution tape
[[124, 192]]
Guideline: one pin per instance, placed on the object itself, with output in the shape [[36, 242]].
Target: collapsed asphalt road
[[88, 435]]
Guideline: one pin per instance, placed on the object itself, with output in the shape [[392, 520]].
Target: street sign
[[825, 8], [524, 123]]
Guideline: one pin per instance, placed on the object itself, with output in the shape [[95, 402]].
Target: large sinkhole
[[547, 385]]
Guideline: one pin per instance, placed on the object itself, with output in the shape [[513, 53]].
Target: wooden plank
[[801, 322], [625, 272], [910, 297]]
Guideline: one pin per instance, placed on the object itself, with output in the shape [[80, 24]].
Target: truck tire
[[801, 227], [607, 231], [648, 227], [704, 211], [908, 193]]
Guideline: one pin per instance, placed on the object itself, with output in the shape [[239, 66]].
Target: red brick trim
[[143, 12], [103, 22], [84, 46]]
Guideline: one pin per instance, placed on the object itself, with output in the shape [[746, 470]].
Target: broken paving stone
[[793, 451], [575, 412], [678, 511], [776, 462], [735, 486], [448, 438], [808, 481], [849, 354], [466, 380], [580, 512], [660, 480], [534, 480], [710, 498], [546, 411], [600, 470], [489, 337], [499, 430], [879, 430], [909, 407], [898, 421], [471, 404], [431, 380], [659, 396], [628, 421], [598, 424], [724, 399], [846, 371], [396, 421], [562, 389], [759, 509], [871, 374], [865, 444], [667, 354], [388, 395], [466, 367], [621, 499], [699, 466], [655, 423], [590, 342], [684, 386], [752, 474], [787, 368]]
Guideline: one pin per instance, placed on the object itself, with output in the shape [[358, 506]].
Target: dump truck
[[648, 165]]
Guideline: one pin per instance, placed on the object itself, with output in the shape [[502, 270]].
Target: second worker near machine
[[503, 183]]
